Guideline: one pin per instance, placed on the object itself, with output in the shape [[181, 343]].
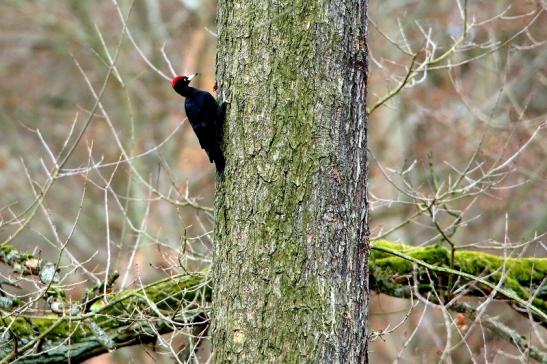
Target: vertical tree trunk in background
[[290, 267]]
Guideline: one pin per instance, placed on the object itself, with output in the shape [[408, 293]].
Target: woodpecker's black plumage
[[206, 117]]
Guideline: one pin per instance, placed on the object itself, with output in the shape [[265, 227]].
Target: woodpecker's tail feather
[[221, 164], [216, 155]]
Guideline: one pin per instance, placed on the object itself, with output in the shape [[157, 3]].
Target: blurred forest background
[[150, 214]]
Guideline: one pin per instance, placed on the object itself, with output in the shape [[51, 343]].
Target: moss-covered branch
[[130, 317], [136, 316], [522, 279]]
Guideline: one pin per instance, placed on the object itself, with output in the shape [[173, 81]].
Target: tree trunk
[[290, 266]]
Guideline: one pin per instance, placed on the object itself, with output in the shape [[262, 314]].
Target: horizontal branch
[[138, 315]]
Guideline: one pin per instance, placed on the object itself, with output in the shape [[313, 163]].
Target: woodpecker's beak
[[190, 78]]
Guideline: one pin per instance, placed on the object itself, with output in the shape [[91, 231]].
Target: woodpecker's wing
[[201, 111], [201, 108]]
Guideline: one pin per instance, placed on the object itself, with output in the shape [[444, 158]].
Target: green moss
[[431, 254], [29, 328]]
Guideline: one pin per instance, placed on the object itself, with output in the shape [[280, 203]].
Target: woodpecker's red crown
[[177, 79], [185, 79]]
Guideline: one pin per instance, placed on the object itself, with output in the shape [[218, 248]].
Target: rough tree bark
[[290, 265]]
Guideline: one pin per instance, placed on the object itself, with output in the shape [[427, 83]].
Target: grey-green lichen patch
[[48, 273], [100, 334]]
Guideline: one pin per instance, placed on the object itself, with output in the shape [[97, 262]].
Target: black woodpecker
[[206, 117]]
